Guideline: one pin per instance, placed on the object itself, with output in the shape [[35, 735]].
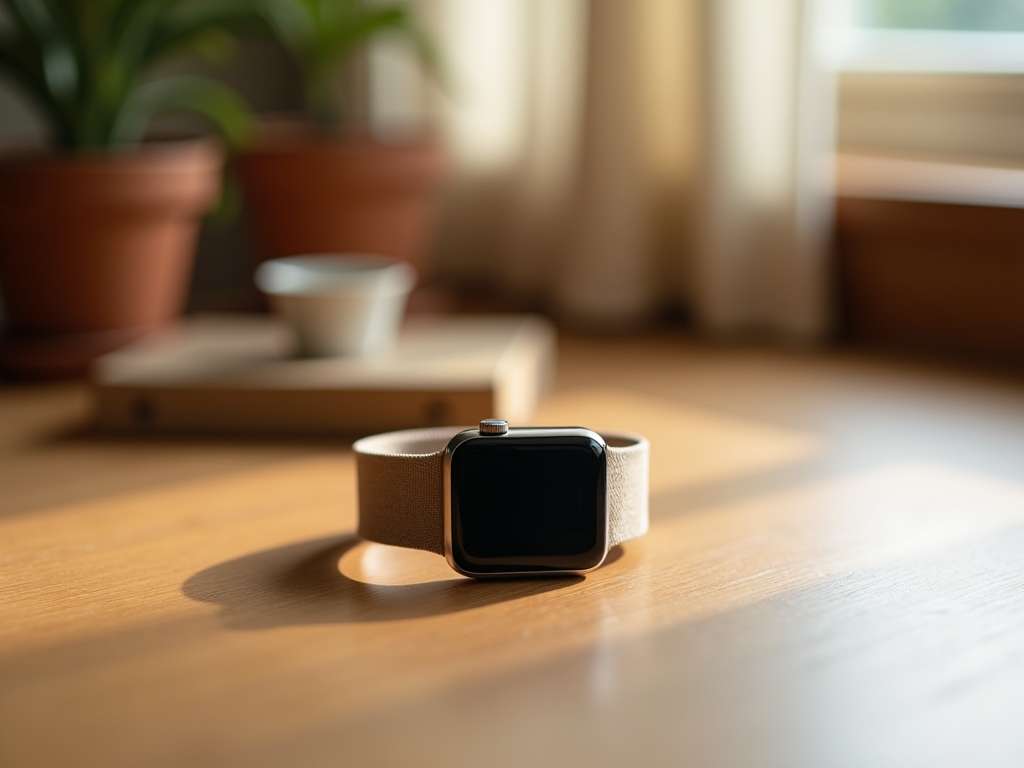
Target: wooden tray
[[235, 373]]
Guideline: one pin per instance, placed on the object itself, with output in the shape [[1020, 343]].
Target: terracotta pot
[[97, 250], [313, 195]]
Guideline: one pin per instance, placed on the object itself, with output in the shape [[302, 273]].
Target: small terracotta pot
[[309, 194], [97, 250]]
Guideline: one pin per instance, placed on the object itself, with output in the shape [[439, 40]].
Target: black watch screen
[[530, 504]]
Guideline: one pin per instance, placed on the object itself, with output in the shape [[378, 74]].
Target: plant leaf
[[198, 95], [206, 28], [32, 84], [31, 17], [46, 28], [293, 24], [341, 40]]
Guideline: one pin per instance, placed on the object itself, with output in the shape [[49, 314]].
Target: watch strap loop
[[628, 460], [401, 488]]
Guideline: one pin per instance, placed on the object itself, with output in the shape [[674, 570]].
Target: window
[[961, 15], [983, 36]]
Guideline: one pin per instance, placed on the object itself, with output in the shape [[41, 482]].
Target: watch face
[[528, 502]]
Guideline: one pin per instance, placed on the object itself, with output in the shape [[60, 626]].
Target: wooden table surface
[[834, 576]]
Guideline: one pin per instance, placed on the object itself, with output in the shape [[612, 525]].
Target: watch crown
[[493, 427]]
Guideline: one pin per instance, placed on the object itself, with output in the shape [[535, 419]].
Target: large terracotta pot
[[309, 194], [96, 250]]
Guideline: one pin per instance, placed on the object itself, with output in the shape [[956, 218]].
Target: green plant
[[88, 64], [322, 36]]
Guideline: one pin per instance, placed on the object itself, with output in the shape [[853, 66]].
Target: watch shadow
[[302, 584]]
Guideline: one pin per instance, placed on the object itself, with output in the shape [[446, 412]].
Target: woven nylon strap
[[401, 487]]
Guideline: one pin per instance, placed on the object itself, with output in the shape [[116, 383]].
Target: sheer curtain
[[614, 158]]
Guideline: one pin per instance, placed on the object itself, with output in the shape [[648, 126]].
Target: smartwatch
[[501, 501]]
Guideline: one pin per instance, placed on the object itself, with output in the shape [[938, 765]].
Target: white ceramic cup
[[339, 305]]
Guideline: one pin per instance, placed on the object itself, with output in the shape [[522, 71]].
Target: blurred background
[[797, 170]]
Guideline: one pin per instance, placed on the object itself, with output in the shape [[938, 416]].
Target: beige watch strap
[[401, 487]]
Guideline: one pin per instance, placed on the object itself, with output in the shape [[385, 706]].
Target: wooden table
[[834, 576]]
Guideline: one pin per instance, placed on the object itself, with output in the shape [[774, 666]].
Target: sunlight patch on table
[[689, 446], [371, 563]]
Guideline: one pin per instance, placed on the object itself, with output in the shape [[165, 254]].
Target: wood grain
[[833, 577]]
